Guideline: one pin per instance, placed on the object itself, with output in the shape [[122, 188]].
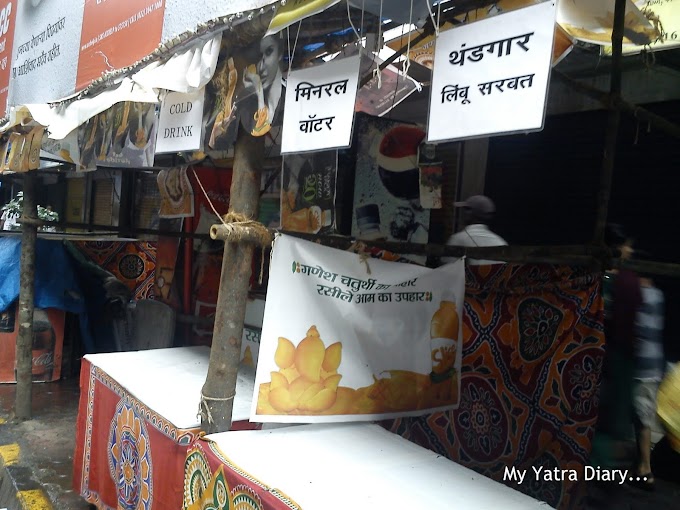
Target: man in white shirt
[[477, 212]]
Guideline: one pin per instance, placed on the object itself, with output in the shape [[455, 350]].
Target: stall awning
[[186, 71]]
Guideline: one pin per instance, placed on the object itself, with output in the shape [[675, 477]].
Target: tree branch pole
[[219, 390], [24, 342], [613, 122]]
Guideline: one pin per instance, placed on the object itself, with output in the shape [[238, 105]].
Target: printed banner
[[320, 106], [117, 34], [297, 10], [177, 195], [122, 136], [180, 122], [492, 75], [664, 15], [308, 195], [7, 22], [354, 344]]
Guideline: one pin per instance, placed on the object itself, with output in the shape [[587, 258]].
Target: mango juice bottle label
[[444, 341]]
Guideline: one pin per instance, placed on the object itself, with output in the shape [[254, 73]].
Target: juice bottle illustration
[[444, 329]]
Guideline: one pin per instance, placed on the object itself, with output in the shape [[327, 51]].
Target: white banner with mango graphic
[[347, 339]]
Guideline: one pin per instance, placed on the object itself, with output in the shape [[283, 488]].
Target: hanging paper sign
[[320, 106], [297, 10], [354, 344], [492, 76], [179, 125]]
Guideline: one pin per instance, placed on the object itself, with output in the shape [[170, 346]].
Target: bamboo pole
[[24, 342], [613, 123], [219, 390]]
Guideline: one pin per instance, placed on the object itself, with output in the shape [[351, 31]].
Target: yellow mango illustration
[[285, 353], [326, 374], [298, 387], [333, 357], [332, 382], [313, 332], [291, 374], [309, 393], [281, 401], [278, 381], [343, 402], [263, 405], [309, 356], [321, 401]]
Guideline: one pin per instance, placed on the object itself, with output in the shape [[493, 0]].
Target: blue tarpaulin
[[56, 282]]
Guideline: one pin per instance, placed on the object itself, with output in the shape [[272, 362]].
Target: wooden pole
[[613, 123], [24, 342], [217, 399]]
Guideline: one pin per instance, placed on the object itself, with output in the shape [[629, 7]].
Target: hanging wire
[[291, 52], [435, 22], [407, 63], [377, 73], [349, 17]]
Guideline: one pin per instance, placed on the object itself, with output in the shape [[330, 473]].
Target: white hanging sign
[[492, 76], [180, 122], [319, 108]]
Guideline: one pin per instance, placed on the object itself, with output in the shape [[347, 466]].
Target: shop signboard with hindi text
[[491, 76], [116, 35], [342, 342], [7, 22], [319, 109], [46, 42]]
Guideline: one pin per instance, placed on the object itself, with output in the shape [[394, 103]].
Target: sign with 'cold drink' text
[[342, 343], [180, 122]]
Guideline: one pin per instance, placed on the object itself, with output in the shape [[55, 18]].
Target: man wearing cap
[[477, 212]]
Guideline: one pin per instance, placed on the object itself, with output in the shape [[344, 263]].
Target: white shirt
[[475, 236]]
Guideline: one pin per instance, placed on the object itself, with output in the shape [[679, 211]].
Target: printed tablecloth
[[332, 467], [136, 419]]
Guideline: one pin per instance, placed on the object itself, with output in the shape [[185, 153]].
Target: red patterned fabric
[[134, 264], [532, 359]]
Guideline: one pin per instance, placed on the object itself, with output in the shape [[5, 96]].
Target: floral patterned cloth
[[532, 360]]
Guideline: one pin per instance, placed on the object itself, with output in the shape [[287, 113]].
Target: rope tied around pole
[[204, 413], [237, 227]]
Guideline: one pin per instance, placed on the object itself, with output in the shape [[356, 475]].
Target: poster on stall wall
[[177, 195], [66, 149], [117, 34], [308, 194], [180, 122], [124, 136], [319, 106], [378, 98], [354, 345], [8, 14], [208, 253], [387, 183], [246, 89], [492, 75]]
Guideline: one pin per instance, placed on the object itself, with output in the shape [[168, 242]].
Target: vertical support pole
[[613, 122], [24, 344], [220, 386]]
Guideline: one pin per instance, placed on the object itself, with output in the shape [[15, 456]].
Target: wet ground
[[46, 445]]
